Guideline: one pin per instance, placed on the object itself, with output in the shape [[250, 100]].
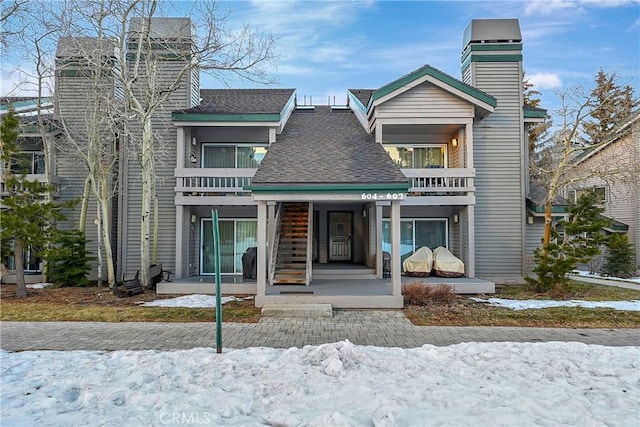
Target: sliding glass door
[[235, 237], [415, 233]]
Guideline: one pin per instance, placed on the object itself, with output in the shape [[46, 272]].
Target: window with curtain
[[415, 233], [235, 237], [418, 157]]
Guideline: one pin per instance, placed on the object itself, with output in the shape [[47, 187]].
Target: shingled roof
[[326, 146], [242, 101]]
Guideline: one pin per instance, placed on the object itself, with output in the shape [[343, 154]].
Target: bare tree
[[145, 50], [561, 168]]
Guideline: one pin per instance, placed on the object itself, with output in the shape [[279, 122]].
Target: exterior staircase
[[292, 262]]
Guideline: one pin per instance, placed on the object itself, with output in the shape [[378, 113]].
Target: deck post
[[181, 236], [471, 242], [396, 279], [261, 256], [378, 219]]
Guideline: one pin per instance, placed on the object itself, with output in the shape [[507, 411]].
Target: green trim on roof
[[540, 208], [203, 117], [26, 103], [491, 58], [437, 74], [328, 188], [535, 114]]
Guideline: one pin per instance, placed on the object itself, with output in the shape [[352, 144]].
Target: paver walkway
[[366, 327]]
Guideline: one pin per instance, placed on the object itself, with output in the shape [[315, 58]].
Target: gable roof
[[238, 105], [620, 130], [425, 73], [325, 149]]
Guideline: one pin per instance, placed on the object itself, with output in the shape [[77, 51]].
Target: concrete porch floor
[[354, 287]]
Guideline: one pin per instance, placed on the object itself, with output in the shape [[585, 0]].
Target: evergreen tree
[[69, 259], [612, 104], [531, 99], [582, 236], [27, 218], [619, 260]]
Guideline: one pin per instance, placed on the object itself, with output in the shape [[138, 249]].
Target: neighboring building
[[614, 173], [323, 191]]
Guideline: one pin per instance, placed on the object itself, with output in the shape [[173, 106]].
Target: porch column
[[468, 144], [271, 231], [261, 261], [182, 239], [378, 241], [396, 284], [471, 242], [180, 147]]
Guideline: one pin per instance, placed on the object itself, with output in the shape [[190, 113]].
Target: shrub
[[619, 260], [418, 293], [69, 259]]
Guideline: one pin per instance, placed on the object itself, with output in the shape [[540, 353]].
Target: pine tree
[[619, 260], [27, 218], [582, 236], [612, 104]]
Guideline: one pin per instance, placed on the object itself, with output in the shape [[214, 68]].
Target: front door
[[340, 224]]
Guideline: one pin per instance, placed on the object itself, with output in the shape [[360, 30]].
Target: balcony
[[441, 186], [54, 181], [197, 186]]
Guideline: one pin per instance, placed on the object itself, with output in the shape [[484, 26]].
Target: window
[[418, 157], [32, 263], [232, 156], [415, 233], [29, 162], [235, 237], [601, 192]]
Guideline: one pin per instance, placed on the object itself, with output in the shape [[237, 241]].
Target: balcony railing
[[440, 182], [213, 182], [54, 181]]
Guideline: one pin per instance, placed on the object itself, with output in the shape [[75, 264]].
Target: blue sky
[[327, 47]]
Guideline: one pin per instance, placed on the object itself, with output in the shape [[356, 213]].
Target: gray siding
[[534, 233], [422, 101], [498, 159], [74, 100], [166, 137]]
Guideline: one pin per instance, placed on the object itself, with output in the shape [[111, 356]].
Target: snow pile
[[537, 304], [336, 384], [38, 285], [598, 276], [190, 301]]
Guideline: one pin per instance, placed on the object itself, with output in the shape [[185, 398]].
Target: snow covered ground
[[337, 384], [537, 304]]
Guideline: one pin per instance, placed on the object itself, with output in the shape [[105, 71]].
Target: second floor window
[[232, 156], [29, 162], [418, 157], [600, 191]]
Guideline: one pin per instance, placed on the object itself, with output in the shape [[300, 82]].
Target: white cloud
[[15, 82], [545, 7], [545, 80]]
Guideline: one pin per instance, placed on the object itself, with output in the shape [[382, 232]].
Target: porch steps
[[272, 309], [291, 258], [344, 274]]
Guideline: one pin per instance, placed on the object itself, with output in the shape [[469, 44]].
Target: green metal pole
[[216, 258]]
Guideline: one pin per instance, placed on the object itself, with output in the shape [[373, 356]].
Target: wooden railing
[[440, 182], [213, 181]]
